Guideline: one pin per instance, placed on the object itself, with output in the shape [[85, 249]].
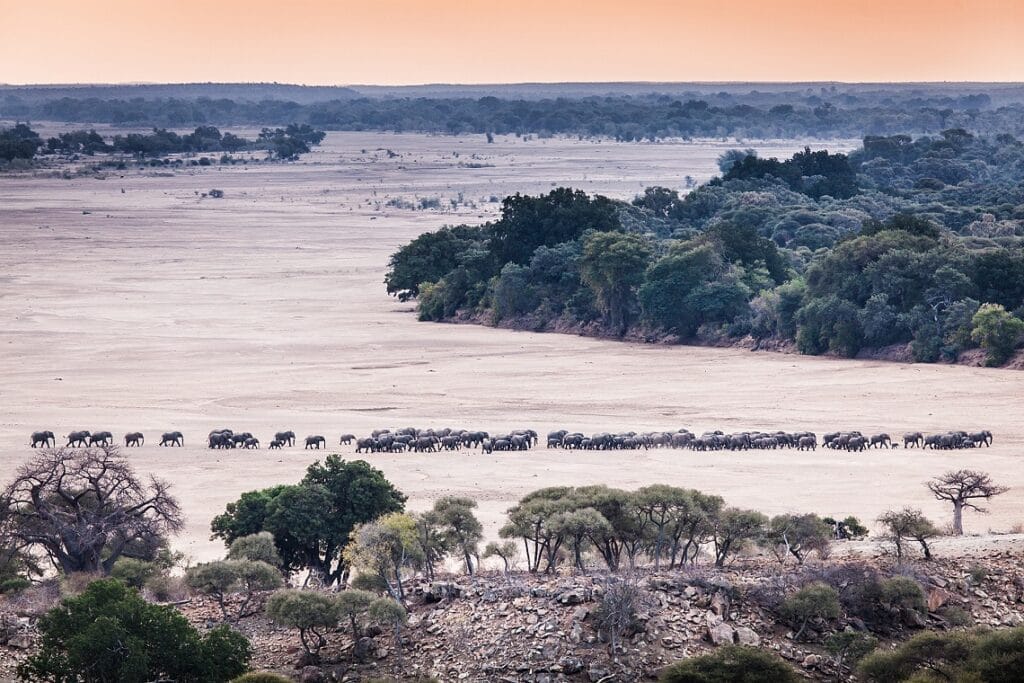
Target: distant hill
[[239, 92]]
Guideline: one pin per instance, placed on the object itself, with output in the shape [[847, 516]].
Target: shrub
[[15, 585], [996, 331], [132, 572], [814, 602], [163, 588], [849, 647], [978, 574], [109, 633], [308, 611], [957, 616], [261, 677], [991, 656], [352, 605], [903, 593], [256, 547], [221, 579], [731, 664]]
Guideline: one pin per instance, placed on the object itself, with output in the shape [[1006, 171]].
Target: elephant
[[856, 443], [286, 438], [681, 439], [425, 443], [46, 438], [487, 446], [555, 438], [451, 443], [101, 439], [79, 439], [275, 444], [806, 442], [983, 436], [240, 439], [367, 445], [932, 440], [519, 442], [880, 440], [346, 439], [251, 442], [172, 439], [134, 439], [221, 440], [911, 439], [316, 441]]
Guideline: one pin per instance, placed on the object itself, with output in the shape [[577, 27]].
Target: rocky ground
[[534, 628]]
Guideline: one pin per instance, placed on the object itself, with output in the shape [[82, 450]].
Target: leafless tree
[[622, 600], [86, 508], [960, 488]]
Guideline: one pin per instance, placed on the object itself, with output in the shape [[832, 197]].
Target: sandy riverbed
[[159, 309]]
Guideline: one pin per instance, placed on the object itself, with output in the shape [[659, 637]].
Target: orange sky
[[465, 41]]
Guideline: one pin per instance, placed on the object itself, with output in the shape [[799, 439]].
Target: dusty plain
[[133, 303]]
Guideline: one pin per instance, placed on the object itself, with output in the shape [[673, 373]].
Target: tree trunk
[[958, 518]]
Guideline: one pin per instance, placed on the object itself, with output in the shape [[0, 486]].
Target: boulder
[[937, 597], [720, 604], [747, 636], [811, 661], [719, 632]]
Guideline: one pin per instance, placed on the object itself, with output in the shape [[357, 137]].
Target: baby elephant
[[135, 439], [251, 442], [275, 444]]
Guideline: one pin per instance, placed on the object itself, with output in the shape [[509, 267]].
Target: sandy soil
[[132, 303]]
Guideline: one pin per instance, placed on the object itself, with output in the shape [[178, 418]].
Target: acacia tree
[[461, 528], [960, 488], [908, 524], [86, 508]]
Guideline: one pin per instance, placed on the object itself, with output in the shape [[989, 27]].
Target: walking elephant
[[316, 442], [286, 438], [172, 439], [251, 442], [275, 445], [101, 439], [880, 440], [913, 439], [44, 438], [78, 439], [134, 439]]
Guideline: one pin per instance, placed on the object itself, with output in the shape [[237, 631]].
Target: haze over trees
[[912, 243]]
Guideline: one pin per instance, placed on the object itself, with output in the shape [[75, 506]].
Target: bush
[[15, 585], [223, 578], [957, 616], [256, 547], [814, 602], [991, 656], [903, 593], [109, 633], [309, 612], [163, 588], [731, 664], [998, 332], [261, 677], [132, 572]]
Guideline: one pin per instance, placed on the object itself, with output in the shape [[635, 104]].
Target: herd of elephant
[[85, 438], [741, 441], [433, 440]]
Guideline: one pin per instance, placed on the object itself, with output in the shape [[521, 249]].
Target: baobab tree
[[86, 508], [960, 488]]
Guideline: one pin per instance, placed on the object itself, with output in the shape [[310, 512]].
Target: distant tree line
[[913, 242], [635, 117], [21, 142]]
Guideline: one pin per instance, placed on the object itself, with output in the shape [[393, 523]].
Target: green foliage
[[849, 647], [612, 265], [19, 142], [310, 612], [560, 216], [731, 664], [14, 585], [908, 524], [428, 258], [903, 593], [353, 604], [109, 633], [998, 332], [133, 572], [311, 521], [387, 548], [261, 677], [798, 535], [256, 547], [931, 656], [814, 602], [812, 173], [225, 577]]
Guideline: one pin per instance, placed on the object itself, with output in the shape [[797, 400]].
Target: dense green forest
[[21, 142], [624, 113], [914, 242]]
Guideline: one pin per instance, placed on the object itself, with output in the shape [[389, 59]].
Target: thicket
[[801, 112], [286, 143], [903, 242]]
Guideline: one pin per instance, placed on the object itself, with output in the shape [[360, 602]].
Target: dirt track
[[161, 310]]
